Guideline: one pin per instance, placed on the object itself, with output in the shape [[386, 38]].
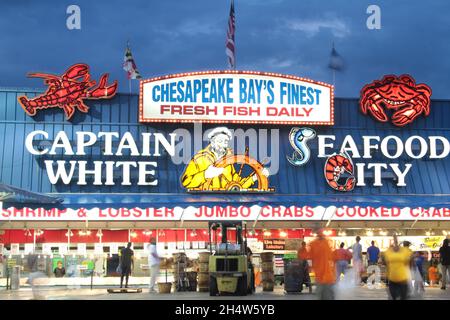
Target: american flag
[[230, 49]]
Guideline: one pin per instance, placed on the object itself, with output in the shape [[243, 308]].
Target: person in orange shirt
[[433, 274], [302, 252], [321, 255]]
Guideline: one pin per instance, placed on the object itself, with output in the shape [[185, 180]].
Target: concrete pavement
[[99, 293]]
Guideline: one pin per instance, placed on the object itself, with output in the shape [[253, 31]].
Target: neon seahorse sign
[[298, 137]]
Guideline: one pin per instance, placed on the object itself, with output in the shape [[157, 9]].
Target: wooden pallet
[[124, 290]]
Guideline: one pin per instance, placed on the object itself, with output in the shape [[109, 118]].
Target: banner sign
[[236, 97], [98, 248], [29, 248], [81, 248], [424, 243], [15, 249], [247, 213]]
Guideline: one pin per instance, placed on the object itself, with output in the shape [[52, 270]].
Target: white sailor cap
[[220, 130]]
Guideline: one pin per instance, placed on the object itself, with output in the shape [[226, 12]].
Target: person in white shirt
[[357, 260], [153, 262]]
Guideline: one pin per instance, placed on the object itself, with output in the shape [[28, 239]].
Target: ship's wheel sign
[[217, 168], [400, 95], [68, 91]]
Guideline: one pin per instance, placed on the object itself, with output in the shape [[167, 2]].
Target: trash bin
[[293, 275], [15, 278]]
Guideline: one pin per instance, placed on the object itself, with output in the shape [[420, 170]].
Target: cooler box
[[293, 275]]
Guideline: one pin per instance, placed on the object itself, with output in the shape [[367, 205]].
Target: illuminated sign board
[[236, 97], [400, 94], [274, 244], [68, 91]]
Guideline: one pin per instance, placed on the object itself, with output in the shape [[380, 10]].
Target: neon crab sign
[[401, 94], [68, 91]]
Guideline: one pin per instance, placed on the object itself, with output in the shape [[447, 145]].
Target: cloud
[[278, 64], [312, 27], [262, 3], [190, 28]]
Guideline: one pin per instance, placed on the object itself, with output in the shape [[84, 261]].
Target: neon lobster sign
[[68, 91]]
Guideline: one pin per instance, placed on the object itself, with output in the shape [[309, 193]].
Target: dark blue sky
[[286, 36]]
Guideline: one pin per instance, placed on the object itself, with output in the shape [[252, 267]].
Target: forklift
[[230, 271]]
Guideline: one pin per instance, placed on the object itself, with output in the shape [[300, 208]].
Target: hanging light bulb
[[69, 233], [267, 233], [383, 233], [283, 234], [133, 234], [327, 232], [99, 233], [369, 233], [147, 232]]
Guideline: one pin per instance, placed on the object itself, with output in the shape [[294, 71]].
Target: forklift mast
[[224, 226]]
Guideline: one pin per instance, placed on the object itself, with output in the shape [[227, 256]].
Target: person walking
[[36, 277], [341, 256], [154, 261], [373, 253], [419, 276], [126, 264], [302, 255], [398, 262], [357, 260], [321, 255], [444, 253]]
